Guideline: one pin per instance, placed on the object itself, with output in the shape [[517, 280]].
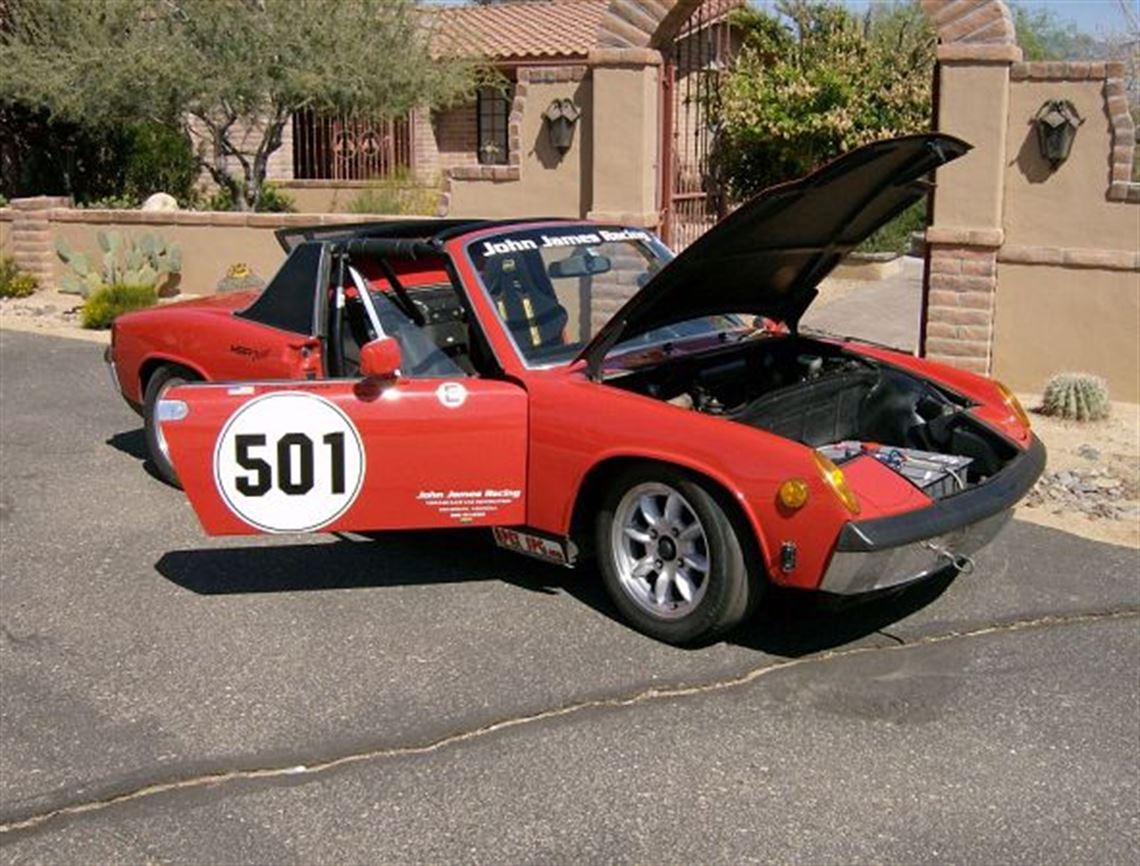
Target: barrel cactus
[[1079, 396], [239, 278], [147, 260]]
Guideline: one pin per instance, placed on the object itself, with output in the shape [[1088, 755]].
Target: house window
[[493, 110], [334, 147]]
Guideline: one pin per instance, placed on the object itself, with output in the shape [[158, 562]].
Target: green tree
[[813, 81], [234, 71], [1043, 36]]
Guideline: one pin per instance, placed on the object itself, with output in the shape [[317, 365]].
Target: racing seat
[[525, 298]]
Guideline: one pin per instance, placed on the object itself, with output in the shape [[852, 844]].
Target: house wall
[[537, 181]]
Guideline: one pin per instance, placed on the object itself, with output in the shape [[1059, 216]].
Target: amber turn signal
[[833, 477], [1013, 404], [793, 493]]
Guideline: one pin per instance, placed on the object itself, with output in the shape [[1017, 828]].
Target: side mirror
[[380, 359]]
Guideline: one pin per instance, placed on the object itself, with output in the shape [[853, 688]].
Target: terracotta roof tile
[[536, 28]]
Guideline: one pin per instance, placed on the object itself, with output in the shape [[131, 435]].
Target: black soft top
[[425, 231]]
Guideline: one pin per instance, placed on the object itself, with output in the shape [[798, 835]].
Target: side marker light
[[793, 493], [171, 410]]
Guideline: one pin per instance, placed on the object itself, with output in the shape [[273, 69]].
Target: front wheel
[[670, 556], [161, 381]]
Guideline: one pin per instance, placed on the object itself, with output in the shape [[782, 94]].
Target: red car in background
[[584, 393]]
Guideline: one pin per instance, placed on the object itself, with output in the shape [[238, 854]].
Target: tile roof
[[531, 29]]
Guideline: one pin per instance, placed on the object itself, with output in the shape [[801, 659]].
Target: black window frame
[[493, 109]]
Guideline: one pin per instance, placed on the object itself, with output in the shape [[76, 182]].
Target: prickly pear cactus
[[1079, 396], [144, 261]]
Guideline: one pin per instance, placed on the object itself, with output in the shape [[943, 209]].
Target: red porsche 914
[[586, 394]]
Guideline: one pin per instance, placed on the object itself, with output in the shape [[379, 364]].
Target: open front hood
[[768, 256]]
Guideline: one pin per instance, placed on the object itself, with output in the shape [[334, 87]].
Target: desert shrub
[[104, 305], [273, 200], [14, 283], [1078, 396], [112, 202], [398, 194], [160, 158]]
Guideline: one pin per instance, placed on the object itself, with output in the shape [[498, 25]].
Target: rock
[[160, 201], [1088, 452]]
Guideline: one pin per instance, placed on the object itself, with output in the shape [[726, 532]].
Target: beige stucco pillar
[[967, 230], [626, 135]]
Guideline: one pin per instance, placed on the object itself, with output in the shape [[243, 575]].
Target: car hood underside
[[768, 256]]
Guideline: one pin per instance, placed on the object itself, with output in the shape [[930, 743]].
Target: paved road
[[168, 697], [884, 311]]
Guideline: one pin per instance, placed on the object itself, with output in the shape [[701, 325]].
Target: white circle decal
[[289, 462], [451, 394]]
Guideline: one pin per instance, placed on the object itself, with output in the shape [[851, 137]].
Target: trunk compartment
[[840, 403]]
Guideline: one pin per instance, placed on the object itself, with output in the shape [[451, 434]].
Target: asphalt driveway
[[425, 697]]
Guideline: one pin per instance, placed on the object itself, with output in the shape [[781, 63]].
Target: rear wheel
[[161, 381], [670, 556]]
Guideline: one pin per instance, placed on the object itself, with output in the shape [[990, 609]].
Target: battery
[[936, 475]]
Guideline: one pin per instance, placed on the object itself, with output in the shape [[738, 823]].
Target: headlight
[[833, 477], [1014, 405]]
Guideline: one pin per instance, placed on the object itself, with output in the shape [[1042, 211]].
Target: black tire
[[728, 590], [162, 380]]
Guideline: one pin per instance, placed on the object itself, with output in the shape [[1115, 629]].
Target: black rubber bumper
[[997, 494]]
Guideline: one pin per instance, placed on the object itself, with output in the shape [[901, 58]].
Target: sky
[[1094, 17]]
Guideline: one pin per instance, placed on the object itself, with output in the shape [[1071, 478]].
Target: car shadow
[[789, 623], [130, 442], [133, 444]]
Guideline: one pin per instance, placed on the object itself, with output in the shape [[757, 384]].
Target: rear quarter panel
[[209, 340]]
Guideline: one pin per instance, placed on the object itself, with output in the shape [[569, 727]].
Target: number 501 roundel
[[289, 462]]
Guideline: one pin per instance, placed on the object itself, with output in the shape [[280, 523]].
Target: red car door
[[349, 454]]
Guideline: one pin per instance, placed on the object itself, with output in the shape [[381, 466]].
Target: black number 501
[[295, 457]]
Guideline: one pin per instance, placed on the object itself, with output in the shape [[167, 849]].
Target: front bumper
[[109, 360], [889, 551]]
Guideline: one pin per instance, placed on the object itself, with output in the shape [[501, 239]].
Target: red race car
[[584, 393]]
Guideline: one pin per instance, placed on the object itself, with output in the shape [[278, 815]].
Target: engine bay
[[840, 403]]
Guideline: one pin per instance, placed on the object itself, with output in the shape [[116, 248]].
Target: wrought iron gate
[[328, 147], [691, 199]]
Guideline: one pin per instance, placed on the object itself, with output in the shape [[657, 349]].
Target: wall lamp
[[1057, 122], [560, 118]]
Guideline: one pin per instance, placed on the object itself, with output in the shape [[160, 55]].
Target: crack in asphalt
[[209, 780]]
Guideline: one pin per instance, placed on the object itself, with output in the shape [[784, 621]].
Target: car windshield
[[554, 288]]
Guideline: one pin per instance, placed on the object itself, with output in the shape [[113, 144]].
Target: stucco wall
[[207, 251], [1068, 207], [1048, 320], [210, 242], [549, 184], [1056, 309]]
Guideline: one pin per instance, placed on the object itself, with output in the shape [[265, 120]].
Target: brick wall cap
[[602, 56], [963, 236], [971, 52]]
